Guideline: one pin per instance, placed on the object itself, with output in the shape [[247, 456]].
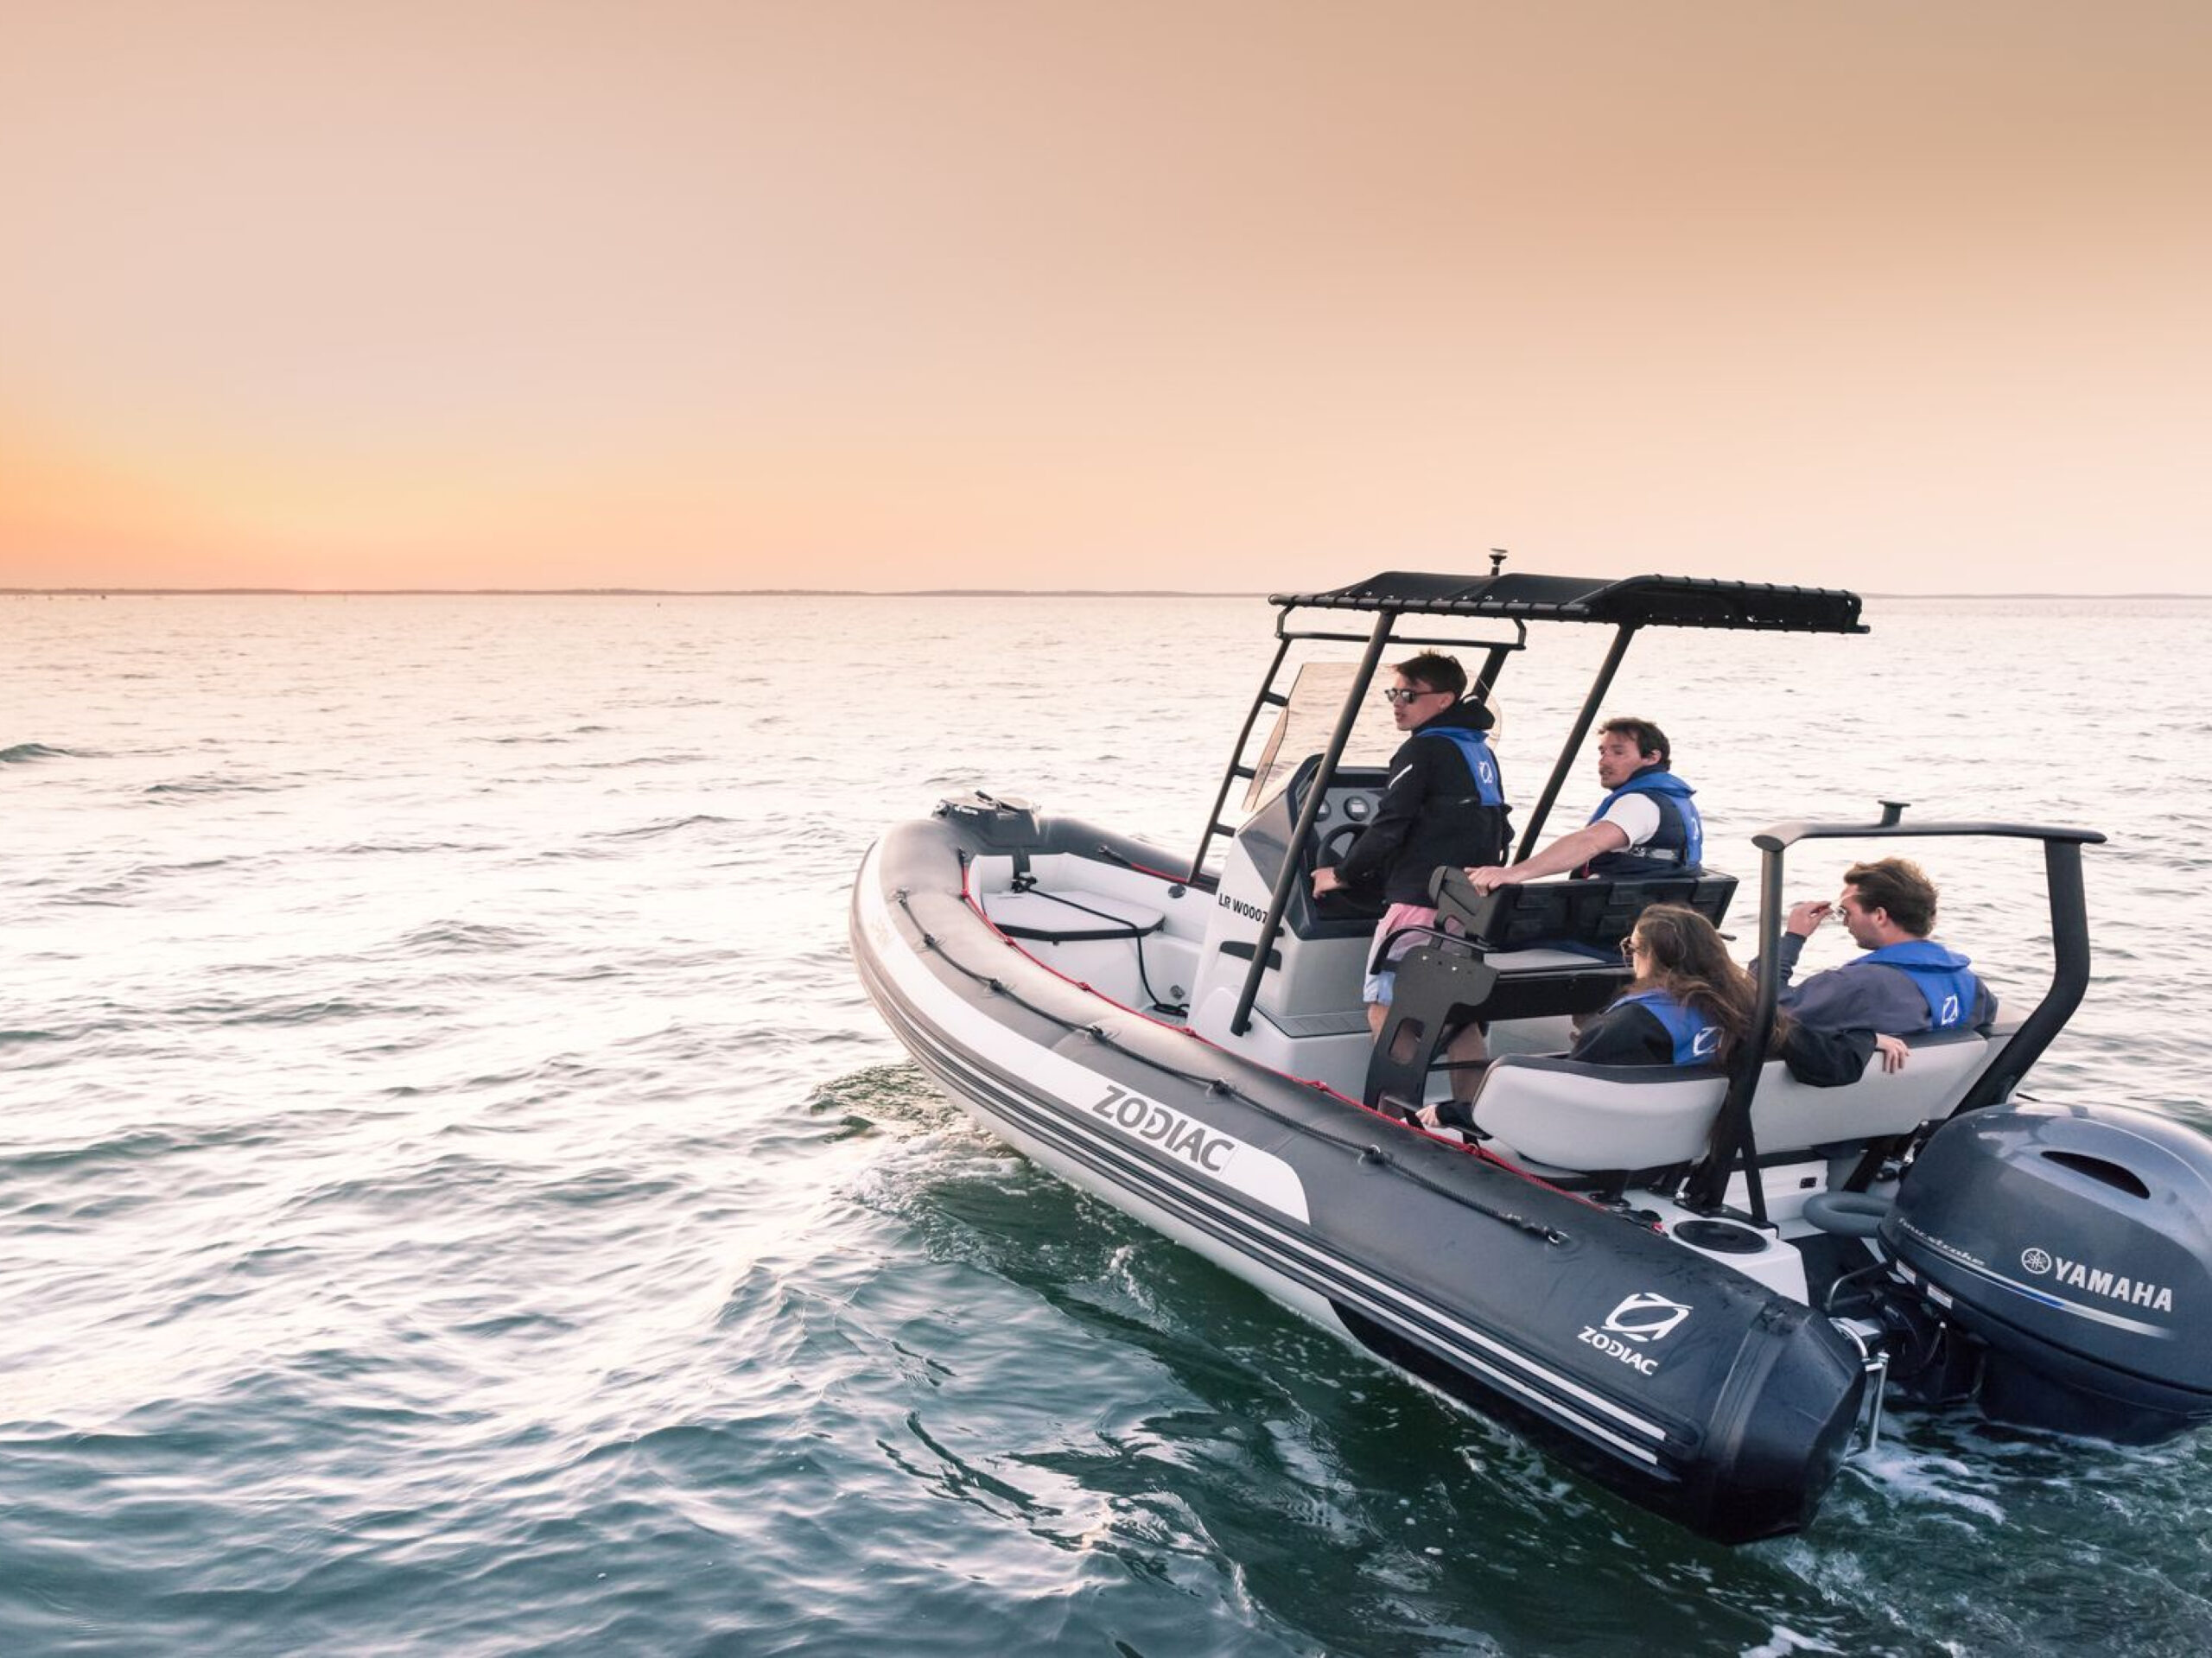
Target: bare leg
[[1466, 1048]]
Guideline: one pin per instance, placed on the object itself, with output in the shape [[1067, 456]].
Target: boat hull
[[1670, 1378]]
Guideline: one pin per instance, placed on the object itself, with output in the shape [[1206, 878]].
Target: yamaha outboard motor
[[2075, 1244]]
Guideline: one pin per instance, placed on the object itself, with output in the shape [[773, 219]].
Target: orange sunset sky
[[1906, 295]]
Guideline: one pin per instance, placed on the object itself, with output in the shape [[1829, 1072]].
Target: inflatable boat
[[1698, 1286]]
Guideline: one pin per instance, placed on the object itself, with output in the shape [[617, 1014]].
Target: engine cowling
[[2076, 1242]]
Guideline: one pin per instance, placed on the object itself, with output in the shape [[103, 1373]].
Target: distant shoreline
[[822, 593]]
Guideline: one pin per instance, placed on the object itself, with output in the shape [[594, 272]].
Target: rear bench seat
[[1569, 1116], [1787, 1115], [1588, 1118]]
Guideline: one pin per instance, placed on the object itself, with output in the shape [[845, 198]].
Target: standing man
[[1445, 803], [1646, 825], [1906, 982]]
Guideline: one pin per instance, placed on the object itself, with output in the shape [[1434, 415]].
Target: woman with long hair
[[1691, 1004], [1688, 1005]]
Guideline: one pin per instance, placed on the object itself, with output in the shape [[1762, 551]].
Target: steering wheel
[[1341, 906], [1335, 844]]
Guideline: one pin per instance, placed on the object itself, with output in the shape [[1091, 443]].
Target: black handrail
[[2070, 931], [1237, 766]]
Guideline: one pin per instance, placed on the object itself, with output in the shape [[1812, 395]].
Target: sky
[[1217, 294]]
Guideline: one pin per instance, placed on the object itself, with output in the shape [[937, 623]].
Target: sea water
[[457, 1199]]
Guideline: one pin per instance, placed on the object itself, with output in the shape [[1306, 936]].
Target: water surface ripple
[[459, 1201]]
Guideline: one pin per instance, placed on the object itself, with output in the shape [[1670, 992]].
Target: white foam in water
[[1919, 1476], [1785, 1640]]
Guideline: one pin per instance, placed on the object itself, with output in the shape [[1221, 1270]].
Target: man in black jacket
[[1444, 803]]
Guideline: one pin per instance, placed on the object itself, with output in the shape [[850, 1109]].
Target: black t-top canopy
[[1636, 600]]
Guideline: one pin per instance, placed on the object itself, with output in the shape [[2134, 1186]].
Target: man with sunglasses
[[1444, 803], [1906, 982]]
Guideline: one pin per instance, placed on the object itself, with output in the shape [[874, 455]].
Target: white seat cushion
[[1585, 1117], [1788, 1115], [1589, 1117]]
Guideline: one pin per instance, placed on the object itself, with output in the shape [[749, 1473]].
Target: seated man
[[1906, 982], [1443, 802], [1645, 826]]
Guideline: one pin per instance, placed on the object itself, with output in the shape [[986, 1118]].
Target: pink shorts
[[1379, 986]]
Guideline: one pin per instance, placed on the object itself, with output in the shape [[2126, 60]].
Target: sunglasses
[[1394, 695], [1630, 949]]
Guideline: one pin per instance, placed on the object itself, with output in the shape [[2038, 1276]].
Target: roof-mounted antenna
[[1496, 561]]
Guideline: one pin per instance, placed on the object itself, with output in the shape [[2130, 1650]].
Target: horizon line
[[643, 592], [862, 593]]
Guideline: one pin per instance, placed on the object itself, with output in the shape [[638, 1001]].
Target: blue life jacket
[[1696, 1042], [1952, 994], [1482, 765], [1678, 845]]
